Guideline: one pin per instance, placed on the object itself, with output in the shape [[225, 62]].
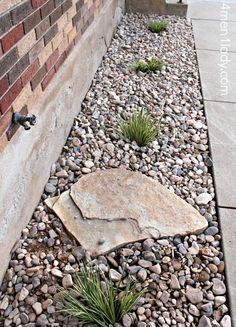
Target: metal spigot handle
[[23, 120], [32, 119]]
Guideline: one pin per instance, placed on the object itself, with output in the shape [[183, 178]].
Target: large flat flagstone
[[211, 35], [221, 119], [211, 74], [228, 231], [107, 209], [212, 10]]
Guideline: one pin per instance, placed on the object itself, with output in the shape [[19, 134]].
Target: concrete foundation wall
[[157, 7], [25, 161], [146, 7]]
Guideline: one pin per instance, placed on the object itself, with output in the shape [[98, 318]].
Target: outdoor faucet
[[23, 120]]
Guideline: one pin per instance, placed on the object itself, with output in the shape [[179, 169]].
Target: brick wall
[[36, 37]]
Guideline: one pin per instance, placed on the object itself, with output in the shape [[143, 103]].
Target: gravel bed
[[184, 275]]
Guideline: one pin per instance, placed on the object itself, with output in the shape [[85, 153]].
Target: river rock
[[174, 283], [23, 294], [218, 287], [204, 322], [37, 306], [115, 275], [203, 199], [194, 295], [225, 321], [67, 281], [126, 320]]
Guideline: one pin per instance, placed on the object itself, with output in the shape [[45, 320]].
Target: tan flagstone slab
[[109, 208], [96, 235]]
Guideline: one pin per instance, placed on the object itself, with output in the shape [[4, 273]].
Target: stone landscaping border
[[184, 275]]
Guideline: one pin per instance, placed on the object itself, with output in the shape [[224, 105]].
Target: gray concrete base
[[214, 27], [177, 9], [212, 10], [145, 7], [218, 76], [25, 162], [221, 120], [228, 230], [157, 7]]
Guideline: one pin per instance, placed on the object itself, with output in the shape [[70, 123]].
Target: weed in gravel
[[157, 26], [151, 65], [90, 302], [139, 128]]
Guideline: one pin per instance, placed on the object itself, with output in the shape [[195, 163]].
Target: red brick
[[12, 37], [1, 52], [32, 21], [48, 78], [52, 59], [10, 96], [60, 61], [79, 4], [3, 85], [92, 9], [8, 60], [58, 2], [30, 72], [37, 3], [91, 19], [47, 9], [55, 15], [5, 121], [78, 37], [20, 12], [42, 28], [66, 5], [76, 18], [50, 34], [83, 29], [69, 49], [5, 23], [36, 80], [36, 50], [18, 68]]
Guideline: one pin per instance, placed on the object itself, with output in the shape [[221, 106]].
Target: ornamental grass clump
[[157, 26], [90, 302], [139, 128], [152, 65]]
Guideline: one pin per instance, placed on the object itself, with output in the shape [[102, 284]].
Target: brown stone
[[176, 264], [119, 206], [221, 267], [203, 276], [213, 268]]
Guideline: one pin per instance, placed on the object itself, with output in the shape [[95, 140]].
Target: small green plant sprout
[[157, 26], [139, 128], [91, 302], [152, 65]]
